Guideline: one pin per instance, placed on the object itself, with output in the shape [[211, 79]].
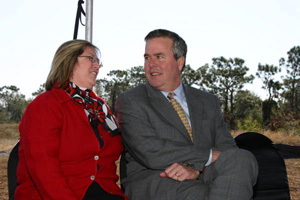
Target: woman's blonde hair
[[64, 61]]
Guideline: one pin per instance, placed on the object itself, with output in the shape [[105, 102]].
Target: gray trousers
[[231, 177]]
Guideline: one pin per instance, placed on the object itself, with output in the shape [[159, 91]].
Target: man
[[173, 158]]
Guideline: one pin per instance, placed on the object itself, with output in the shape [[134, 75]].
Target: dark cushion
[[272, 182], [12, 171]]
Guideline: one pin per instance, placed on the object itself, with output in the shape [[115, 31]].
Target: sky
[[258, 31]]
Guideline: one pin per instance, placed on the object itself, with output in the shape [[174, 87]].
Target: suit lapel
[[162, 106], [195, 106]]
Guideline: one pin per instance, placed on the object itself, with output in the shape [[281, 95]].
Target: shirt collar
[[178, 92]]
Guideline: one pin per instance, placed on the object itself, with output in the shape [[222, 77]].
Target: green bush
[[249, 124]]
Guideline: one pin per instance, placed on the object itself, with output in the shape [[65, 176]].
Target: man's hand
[[180, 172], [215, 155]]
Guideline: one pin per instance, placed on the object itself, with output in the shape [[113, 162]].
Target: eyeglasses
[[93, 60]]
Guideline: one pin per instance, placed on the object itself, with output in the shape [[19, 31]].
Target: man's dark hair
[[179, 45]]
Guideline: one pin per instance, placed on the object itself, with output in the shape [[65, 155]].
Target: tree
[[109, 89], [136, 76], [13, 104], [266, 73], [205, 78], [292, 80], [117, 82], [248, 110], [225, 78], [189, 76], [39, 91]]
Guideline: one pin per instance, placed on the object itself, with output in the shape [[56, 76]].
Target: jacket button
[[92, 177], [96, 157]]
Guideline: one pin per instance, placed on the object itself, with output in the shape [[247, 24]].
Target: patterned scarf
[[97, 111]]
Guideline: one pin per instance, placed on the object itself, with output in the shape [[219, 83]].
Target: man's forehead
[[158, 45], [160, 39]]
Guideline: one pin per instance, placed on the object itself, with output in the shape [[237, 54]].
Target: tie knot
[[171, 95]]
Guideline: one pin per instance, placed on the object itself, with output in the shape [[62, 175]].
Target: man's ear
[[180, 62]]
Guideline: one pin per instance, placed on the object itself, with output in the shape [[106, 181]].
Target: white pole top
[[89, 21]]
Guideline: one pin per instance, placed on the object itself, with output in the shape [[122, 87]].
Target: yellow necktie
[[181, 113]]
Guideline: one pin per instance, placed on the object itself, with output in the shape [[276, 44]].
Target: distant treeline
[[226, 78]]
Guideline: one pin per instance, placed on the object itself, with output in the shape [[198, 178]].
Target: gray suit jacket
[[156, 138]]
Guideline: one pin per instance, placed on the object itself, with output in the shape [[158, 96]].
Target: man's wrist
[[198, 174], [209, 158]]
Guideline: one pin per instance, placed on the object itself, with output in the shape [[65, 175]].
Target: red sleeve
[[40, 131]]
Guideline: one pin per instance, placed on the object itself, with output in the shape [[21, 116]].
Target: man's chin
[[154, 84]]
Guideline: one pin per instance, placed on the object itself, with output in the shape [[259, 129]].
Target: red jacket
[[59, 151]]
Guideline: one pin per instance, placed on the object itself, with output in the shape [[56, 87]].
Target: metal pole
[[89, 21]]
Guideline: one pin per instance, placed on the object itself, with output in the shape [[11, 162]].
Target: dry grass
[[277, 137], [3, 179], [293, 172], [9, 131], [7, 144], [9, 135]]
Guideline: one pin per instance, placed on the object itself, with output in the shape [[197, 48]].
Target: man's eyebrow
[[157, 54]]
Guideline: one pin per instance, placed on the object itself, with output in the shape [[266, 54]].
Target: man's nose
[[151, 62]]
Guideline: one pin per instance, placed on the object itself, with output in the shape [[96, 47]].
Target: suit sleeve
[[40, 131], [143, 142], [223, 139]]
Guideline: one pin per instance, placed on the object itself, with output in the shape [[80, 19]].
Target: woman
[[69, 139]]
